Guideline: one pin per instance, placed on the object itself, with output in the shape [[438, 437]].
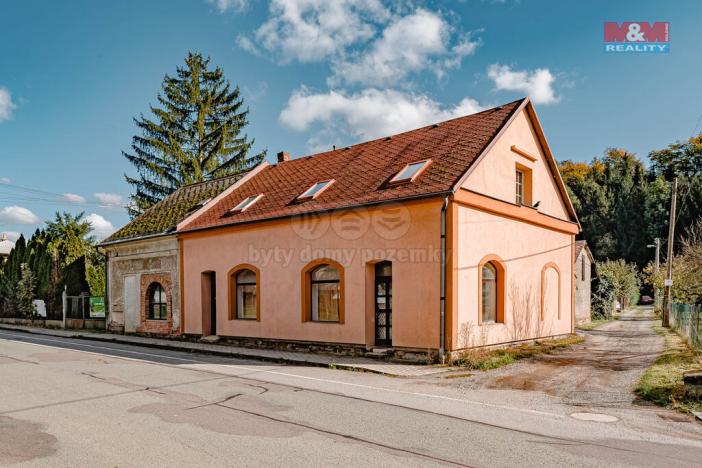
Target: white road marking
[[279, 373]]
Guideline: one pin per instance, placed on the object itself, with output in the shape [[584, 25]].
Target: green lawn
[[662, 383]]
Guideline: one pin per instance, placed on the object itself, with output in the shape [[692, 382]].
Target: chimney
[[283, 156], [3, 237]]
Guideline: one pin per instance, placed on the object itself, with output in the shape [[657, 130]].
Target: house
[[451, 236], [143, 262], [583, 268]]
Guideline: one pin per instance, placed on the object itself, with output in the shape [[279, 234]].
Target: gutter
[[442, 301]]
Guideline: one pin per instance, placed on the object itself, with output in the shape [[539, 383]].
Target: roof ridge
[[428, 126]]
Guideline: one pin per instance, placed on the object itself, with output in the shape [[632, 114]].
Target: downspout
[[107, 289], [442, 301]]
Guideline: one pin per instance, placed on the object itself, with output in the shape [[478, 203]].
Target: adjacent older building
[[583, 268], [451, 236], [143, 261]]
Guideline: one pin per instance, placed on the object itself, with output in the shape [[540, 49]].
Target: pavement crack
[[215, 403], [346, 436], [27, 361]]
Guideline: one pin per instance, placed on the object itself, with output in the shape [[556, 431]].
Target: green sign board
[[97, 307]]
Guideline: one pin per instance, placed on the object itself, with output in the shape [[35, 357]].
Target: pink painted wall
[[495, 175], [524, 249], [407, 234]]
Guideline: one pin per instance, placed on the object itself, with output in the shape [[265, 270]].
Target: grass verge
[[593, 324], [482, 359], [662, 383]]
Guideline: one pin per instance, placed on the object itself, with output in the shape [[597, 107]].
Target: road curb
[[195, 349]]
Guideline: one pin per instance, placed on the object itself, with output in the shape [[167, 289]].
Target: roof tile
[[361, 172]]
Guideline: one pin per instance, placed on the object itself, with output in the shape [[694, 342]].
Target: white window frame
[[424, 164], [519, 186], [309, 195], [246, 203]]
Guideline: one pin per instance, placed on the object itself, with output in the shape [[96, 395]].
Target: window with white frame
[[246, 203], [410, 172], [315, 190]]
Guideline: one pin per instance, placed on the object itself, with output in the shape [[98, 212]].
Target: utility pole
[[657, 245], [669, 259]]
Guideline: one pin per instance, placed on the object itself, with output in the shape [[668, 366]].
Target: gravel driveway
[[602, 371]]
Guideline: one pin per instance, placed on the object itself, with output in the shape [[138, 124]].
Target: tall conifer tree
[[195, 134]]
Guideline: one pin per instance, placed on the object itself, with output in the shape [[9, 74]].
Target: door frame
[[387, 280]]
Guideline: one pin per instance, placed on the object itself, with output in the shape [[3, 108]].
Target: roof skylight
[[410, 172], [315, 190], [246, 203]]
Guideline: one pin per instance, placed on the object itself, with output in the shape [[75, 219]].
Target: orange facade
[[509, 234]]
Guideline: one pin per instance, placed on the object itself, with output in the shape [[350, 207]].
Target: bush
[[616, 280]]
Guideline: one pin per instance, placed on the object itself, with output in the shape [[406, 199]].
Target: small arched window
[[325, 294], [489, 293], [158, 309], [246, 295]]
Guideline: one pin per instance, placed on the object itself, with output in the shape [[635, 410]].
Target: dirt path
[[602, 371]]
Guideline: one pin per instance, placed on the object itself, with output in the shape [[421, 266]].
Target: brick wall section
[[161, 327]]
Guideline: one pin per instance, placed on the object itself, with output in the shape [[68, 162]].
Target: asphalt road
[[66, 402]]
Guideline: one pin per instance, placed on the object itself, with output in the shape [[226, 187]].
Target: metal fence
[[687, 321]]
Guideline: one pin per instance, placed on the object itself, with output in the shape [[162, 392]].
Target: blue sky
[[73, 74]]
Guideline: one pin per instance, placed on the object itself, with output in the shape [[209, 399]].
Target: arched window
[[325, 294], [158, 309], [491, 290], [489, 293], [246, 294]]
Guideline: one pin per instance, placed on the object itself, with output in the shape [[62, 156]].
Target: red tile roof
[[361, 172]]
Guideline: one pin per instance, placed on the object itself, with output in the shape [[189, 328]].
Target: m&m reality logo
[[637, 37]]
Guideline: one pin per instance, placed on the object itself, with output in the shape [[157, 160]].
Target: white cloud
[[73, 198], [11, 235], [17, 215], [111, 200], [313, 30], [6, 104], [100, 227], [367, 114], [5, 180], [413, 43], [247, 44], [537, 84], [227, 5]]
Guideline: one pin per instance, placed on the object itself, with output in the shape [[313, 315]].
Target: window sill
[[246, 319]]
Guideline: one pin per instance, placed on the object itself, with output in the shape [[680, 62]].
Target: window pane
[[409, 171], [325, 273], [383, 269], [246, 277], [246, 301], [489, 293], [325, 302], [164, 312], [312, 191]]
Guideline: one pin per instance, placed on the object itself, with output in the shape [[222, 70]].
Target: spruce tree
[[195, 134]]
